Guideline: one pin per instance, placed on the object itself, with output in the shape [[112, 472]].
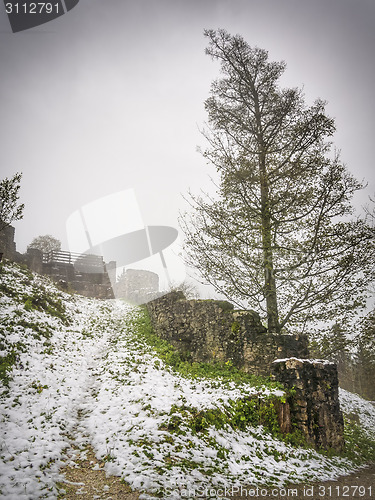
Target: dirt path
[[85, 479]]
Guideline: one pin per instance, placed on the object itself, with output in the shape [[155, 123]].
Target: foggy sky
[[110, 96]]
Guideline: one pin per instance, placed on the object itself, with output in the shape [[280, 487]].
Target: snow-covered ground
[[85, 376]]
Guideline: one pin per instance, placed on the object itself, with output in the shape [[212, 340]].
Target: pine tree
[[280, 235]]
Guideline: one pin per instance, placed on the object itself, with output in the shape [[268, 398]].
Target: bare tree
[[189, 289], [280, 235]]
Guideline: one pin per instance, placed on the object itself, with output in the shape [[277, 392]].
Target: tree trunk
[[269, 278]]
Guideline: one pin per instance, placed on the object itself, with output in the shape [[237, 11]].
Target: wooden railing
[[77, 259]]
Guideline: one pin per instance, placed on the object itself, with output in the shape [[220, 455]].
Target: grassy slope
[[84, 370]]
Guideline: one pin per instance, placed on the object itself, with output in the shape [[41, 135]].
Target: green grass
[[252, 410], [183, 364], [19, 284], [244, 412], [7, 362], [37, 298], [41, 300]]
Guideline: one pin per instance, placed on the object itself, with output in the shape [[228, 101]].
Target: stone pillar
[[316, 407]]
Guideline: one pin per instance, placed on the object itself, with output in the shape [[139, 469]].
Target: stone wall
[[96, 285], [315, 406], [87, 288], [215, 331], [7, 244]]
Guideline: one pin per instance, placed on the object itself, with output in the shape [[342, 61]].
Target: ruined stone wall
[[95, 285], [215, 331], [315, 406], [89, 289], [7, 244], [66, 276]]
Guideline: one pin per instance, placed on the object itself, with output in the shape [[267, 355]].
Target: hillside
[[76, 371]]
